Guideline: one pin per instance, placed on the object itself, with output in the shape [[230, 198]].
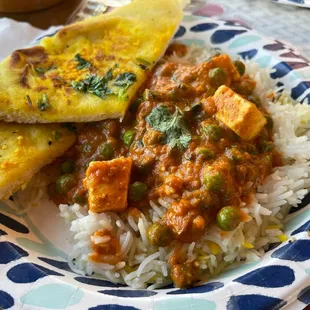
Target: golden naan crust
[[36, 83], [25, 149]]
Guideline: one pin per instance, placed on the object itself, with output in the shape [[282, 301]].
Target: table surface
[[56, 15], [241, 10]]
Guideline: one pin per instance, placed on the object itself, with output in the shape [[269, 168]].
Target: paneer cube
[[107, 184], [237, 113]]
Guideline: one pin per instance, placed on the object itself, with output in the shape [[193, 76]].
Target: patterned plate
[[301, 3], [33, 246]]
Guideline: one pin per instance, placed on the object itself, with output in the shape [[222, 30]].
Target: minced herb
[[125, 79], [176, 133], [29, 101], [57, 135], [43, 103], [82, 63], [142, 63], [42, 70], [93, 84]]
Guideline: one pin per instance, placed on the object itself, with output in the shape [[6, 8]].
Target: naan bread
[[25, 149], [90, 70]]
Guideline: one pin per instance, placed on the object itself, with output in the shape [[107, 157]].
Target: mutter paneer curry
[[196, 134]]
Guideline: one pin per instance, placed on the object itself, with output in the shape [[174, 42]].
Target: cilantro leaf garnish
[[43, 103], [125, 79], [82, 63], [176, 133], [94, 84]]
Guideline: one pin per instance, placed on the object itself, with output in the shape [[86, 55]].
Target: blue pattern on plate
[[181, 31], [13, 224], [299, 90], [297, 251], [6, 300], [56, 263], [98, 282], [248, 54], [52, 296], [222, 36], [10, 252], [270, 276], [129, 293], [281, 69], [28, 273], [113, 307], [198, 289], [2, 232], [304, 295], [304, 227], [254, 302], [203, 27], [297, 1]]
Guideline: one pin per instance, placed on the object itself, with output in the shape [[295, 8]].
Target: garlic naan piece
[[25, 149], [90, 70]]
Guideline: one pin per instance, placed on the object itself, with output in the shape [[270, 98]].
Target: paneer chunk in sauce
[[107, 184], [185, 146], [237, 113]]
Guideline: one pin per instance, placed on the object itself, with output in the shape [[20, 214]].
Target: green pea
[[228, 218], [79, 198], [137, 191], [196, 107], [234, 154], [213, 181], [106, 150], [266, 146], [128, 137], [212, 131], [240, 66], [159, 235], [67, 166], [145, 164], [269, 120], [204, 153], [217, 76], [135, 105], [65, 183], [251, 149]]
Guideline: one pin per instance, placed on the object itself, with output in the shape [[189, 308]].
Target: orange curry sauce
[[177, 173]]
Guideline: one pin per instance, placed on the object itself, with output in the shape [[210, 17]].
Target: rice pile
[[145, 266]]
